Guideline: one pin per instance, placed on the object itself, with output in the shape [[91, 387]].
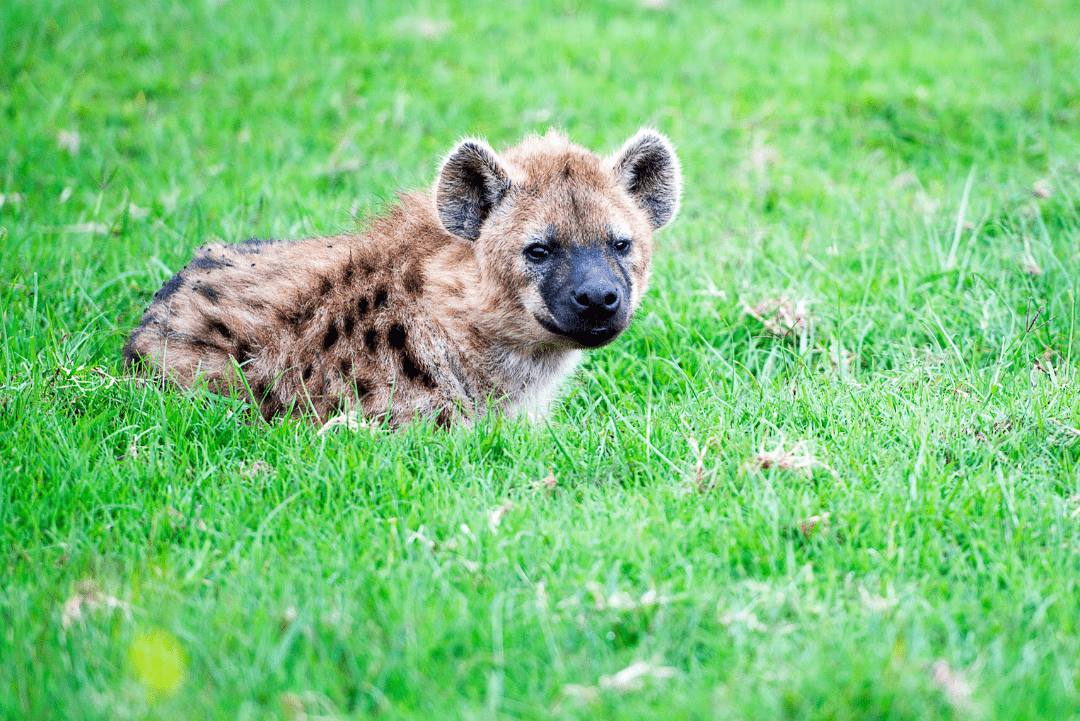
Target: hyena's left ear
[[648, 168], [471, 183]]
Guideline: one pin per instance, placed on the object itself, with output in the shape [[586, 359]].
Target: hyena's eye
[[620, 245], [537, 252]]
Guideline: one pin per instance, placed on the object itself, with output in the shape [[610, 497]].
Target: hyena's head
[[563, 238]]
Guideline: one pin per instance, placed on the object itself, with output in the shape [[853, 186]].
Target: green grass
[[885, 164]]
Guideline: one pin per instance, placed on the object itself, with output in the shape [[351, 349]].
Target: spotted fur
[[479, 295]]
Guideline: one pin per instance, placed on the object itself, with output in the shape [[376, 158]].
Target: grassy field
[[831, 472]]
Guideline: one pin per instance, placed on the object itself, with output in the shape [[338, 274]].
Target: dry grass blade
[[958, 690], [425, 27], [548, 482], [699, 450], [496, 516], [798, 458], [782, 317], [877, 603], [69, 140], [632, 677], [1071, 435], [578, 692], [351, 420], [1031, 266], [1045, 365], [809, 525], [257, 468], [89, 597]]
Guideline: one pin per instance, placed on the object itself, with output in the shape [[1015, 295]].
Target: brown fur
[[432, 311]]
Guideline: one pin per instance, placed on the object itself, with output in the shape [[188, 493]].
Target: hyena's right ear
[[471, 183]]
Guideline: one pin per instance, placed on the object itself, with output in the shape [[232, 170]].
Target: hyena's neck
[[527, 380], [493, 366]]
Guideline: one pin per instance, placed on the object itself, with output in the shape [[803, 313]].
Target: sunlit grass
[[831, 472]]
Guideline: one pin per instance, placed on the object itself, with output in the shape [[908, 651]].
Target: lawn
[[831, 472]]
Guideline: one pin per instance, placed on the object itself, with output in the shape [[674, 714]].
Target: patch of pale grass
[[811, 524], [547, 483], [89, 597], [350, 421], [254, 469], [797, 458], [958, 691], [631, 678], [496, 515], [1030, 265], [422, 26], [781, 316]]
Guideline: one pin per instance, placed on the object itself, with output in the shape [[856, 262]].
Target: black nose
[[597, 299]]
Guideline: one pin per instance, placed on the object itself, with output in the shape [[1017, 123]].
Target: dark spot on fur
[[203, 344], [270, 407], [414, 372], [363, 387], [133, 358], [244, 352], [295, 319], [207, 263], [371, 340], [380, 299], [147, 319], [396, 337], [325, 286], [307, 373], [413, 279], [348, 327], [477, 339], [444, 419], [461, 254], [218, 327], [252, 245], [171, 286], [208, 292], [330, 338], [346, 367], [362, 307], [258, 389]]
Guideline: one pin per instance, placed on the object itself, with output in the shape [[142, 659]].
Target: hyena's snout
[[589, 300], [597, 299]]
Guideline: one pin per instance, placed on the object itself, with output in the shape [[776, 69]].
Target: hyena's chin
[[585, 336]]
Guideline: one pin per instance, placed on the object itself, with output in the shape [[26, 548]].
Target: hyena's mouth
[[584, 335]]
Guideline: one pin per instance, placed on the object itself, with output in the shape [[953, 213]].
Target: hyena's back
[[312, 322]]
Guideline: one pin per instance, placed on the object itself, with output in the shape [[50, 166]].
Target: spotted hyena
[[480, 295]]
